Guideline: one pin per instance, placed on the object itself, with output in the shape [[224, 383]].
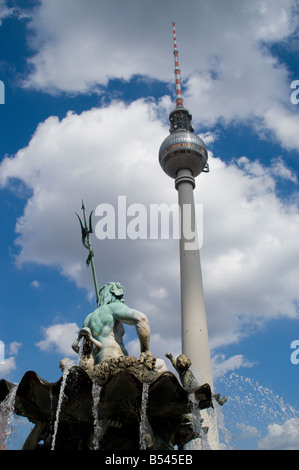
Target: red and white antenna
[[177, 72]]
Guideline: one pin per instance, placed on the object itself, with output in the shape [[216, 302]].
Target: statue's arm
[[143, 329], [75, 345], [97, 345], [171, 358], [134, 317]]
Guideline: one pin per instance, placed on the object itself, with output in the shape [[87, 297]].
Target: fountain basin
[[118, 409]]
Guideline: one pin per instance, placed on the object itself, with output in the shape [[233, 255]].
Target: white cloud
[[36, 284], [221, 365], [13, 348], [279, 169], [59, 337], [227, 66], [247, 431], [282, 436], [9, 12], [112, 39], [284, 125], [8, 366], [5, 12], [250, 250]]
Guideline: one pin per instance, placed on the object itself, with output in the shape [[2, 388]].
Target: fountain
[[143, 417], [67, 366], [108, 400], [251, 412], [6, 414], [96, 394], [250, 408]]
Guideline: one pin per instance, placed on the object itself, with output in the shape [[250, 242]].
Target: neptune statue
[[104, 326]]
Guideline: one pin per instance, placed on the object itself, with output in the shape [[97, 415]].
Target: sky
[[88, 88]]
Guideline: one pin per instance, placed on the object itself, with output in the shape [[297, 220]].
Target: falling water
[[66, 371], [96, 394], [80, 351], [52, 414], [200, 442], [143, 417], [6, 416], [224, 433], [250, 411]]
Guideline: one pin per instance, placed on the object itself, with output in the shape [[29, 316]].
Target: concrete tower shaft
[[194, 330]]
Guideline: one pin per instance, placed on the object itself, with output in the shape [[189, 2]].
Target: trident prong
[[86, 230]]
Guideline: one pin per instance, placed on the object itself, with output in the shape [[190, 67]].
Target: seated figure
[[182, 366], [104, 327]]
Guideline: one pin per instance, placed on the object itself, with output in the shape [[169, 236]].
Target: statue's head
[[183, 362], [111, 292]]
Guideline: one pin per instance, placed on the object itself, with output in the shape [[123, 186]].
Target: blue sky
[[88, 89]]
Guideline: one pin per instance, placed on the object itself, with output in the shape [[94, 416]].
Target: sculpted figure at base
[[182, 366], [106, 325]]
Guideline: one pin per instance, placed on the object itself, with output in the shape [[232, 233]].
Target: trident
[[86, 230]]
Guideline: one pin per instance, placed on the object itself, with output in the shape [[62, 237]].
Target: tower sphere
[[181, 150]]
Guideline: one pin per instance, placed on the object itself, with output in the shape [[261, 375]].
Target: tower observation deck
[[182, 149]]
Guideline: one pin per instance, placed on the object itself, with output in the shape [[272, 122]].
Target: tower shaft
[[194, 331]]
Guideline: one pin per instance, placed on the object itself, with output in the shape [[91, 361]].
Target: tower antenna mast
[[177, 72]]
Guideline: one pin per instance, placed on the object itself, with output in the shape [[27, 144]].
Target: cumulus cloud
[[8, 355], [247, 431], [282, 436], [284, 125], [250, 251], [221, 365], [5, 12], [8, 366], [36, 284], [13, 348], [59, 337], [65, 34], [10, 12], [228, 68]]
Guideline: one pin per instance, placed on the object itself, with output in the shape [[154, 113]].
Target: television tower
[[183, 156]]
